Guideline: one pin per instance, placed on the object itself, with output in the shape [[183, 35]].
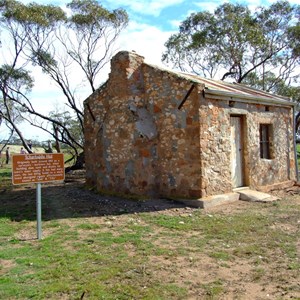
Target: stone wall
[[140, 142], [215, 147], [215, 139], [281, 167], [149, 131]]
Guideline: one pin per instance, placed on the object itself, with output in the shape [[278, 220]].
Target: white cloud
[[144, 7], [252, 4], [175, 23], [209, 5], [45, 2], [146, 40], [148, 7]]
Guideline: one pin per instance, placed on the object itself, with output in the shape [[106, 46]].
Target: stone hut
[[151, 131]]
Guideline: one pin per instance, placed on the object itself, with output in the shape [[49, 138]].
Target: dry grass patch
[[111, 248]]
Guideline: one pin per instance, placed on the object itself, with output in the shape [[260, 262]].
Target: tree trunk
[[57, 144], [79, 164]]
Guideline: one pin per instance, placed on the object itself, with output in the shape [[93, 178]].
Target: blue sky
[[151, 24], [167, 14], [153, 21]]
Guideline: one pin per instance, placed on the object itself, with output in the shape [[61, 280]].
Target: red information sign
[[37, 168]]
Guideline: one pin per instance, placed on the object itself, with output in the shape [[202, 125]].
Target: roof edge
[[221, 95]]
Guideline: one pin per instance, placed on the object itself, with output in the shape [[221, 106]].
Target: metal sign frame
[[38, 168]]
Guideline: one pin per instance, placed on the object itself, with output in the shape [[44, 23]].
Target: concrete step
[[255, 196], [244, 194]]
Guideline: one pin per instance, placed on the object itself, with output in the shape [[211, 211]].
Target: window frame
[[266, 141]]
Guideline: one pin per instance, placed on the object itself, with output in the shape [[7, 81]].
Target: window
[[265, 136]]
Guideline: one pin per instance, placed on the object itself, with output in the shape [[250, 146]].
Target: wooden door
[[237, 174]]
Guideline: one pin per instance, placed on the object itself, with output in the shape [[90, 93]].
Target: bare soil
[[72, 200]]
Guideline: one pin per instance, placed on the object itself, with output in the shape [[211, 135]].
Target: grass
[[63, 264], [5, 177], [243, 235], [213, 289], [298, 155], [147, 255], [82, 257]]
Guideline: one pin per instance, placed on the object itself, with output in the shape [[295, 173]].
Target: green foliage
[[267, 82], [16, 78], [294, 33], [69, 122], [90, 12], [31, 14], [238, 43], [44, 59], [84, 35]]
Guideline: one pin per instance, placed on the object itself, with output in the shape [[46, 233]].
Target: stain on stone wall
[[145, 124]]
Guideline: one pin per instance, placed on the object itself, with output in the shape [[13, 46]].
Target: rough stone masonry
[[150, 131]]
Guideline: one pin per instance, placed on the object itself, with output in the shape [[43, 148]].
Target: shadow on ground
[[72, 200]]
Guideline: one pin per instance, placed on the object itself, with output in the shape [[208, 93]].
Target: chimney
[[126, 72]]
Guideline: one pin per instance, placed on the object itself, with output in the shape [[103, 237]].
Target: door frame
[[242, 149]]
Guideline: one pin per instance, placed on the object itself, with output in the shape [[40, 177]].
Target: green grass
[[5, 177], [243, 235], [62, 264], [135, 256], [298, 155], [213, 289], [79, 256]]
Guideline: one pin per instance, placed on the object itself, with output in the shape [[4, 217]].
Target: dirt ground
[[73, 199]]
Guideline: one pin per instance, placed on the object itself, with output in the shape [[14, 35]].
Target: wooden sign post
[[37, 168]]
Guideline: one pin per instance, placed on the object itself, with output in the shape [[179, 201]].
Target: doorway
[[237, 151]]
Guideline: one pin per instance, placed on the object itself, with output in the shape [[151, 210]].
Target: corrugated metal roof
[[234, 88]]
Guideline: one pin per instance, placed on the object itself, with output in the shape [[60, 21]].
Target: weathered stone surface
[[142, 138], [255, 196]]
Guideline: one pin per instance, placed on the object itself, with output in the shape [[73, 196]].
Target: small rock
[[109, 224]]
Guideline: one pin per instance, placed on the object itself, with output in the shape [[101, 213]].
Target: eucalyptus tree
[[236, 44], [16, 81], [70, 48]]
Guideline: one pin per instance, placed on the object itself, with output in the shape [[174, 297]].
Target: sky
[[151, 23]]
